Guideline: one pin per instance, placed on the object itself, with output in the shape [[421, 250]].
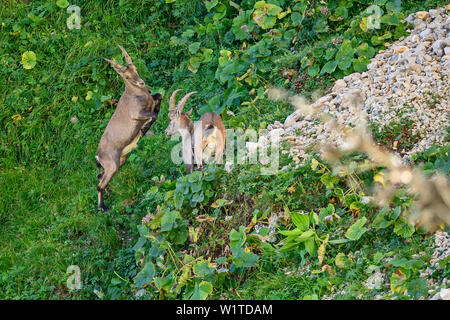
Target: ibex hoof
[[103, 208]]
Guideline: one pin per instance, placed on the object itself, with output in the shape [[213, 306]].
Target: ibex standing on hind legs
[[129, 122], [208, 132]]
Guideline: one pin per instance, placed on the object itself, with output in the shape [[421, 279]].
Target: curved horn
[[183, 100], [115, 64], [125, 53], [172, 108]]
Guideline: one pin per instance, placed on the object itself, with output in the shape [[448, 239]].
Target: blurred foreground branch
[[433, 203]]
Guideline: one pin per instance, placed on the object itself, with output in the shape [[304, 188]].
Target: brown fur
[[212, 130], [134, 109]]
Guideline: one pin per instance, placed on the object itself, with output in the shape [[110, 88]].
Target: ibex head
[[129, 72], [178, 119]]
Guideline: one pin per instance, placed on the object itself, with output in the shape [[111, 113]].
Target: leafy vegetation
[[303, 233]]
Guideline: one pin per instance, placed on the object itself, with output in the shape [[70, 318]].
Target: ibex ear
[[117, 67], [189, 113]]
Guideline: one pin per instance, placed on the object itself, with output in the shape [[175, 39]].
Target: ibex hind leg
[[189, 168], [219, 153], [198, 158], [97, 162], [111, 166], [123, 158]]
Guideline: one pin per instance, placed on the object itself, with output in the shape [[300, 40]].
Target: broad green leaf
[[225, 57], [391, 19], [168, 220], [243, 25], [203, 269], [345, 62], [341, 12], [296, 18], [28, 60], [311, 246], [62, 3], [320, 26], [360, 64], [398, 282], [194, 177], [194, 63], [145, 275], [346, 49], [317, 52], [407, 263], [289, 246], [394, 5], [342, 261], [313, 70], [365, 50], [265, 14], [417, 288], [300, 6], [301, 221], [305, 235], [291, 233], [339, 241], [386, 217], [357, 229], [329, 54], [314, 218], [248, 260], [349, 199], [198, 197], [194, 47], [221, 203], [202, 291], [403, 228], [189, 33], [221, 12], [329, 67], [329, 180], [376, 40], [237, 238], [377, 257], [211, 4], [356, 206], [89, 95]]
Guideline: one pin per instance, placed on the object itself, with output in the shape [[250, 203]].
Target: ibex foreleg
[[147, 126], [144, 115], [186, 151], [197, 144]]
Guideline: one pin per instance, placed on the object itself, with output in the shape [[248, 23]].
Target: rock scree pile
[[406, 84]]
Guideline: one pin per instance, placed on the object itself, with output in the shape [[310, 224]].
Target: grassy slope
[[48, 216], [47, 208]]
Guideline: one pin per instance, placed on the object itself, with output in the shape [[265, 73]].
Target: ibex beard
[[136, 111]]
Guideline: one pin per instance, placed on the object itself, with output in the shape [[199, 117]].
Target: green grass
[[48, 213]]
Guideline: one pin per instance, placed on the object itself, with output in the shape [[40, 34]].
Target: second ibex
[[207, 134]]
